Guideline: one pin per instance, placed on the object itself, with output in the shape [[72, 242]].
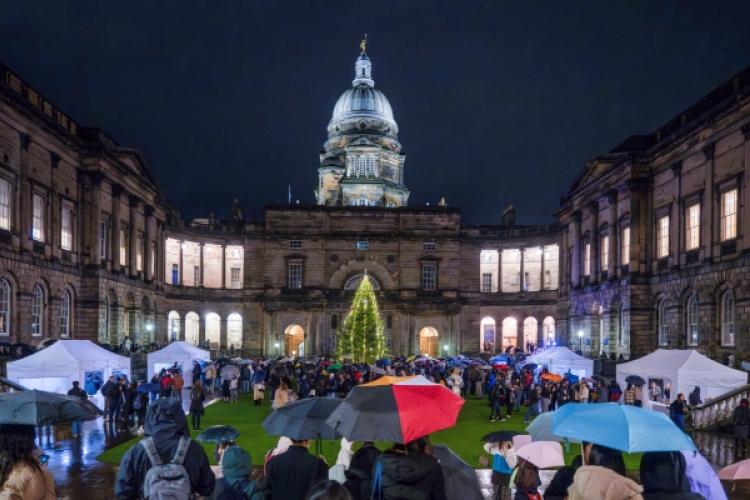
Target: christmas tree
[[361, 339]]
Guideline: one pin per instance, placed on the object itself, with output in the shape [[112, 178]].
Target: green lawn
[[464, 438]]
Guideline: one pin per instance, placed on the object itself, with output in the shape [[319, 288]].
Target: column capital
[[708, 151]]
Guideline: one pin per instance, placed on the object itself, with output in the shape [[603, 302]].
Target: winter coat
[[280, 398], [663, 477], [290, 475], [416, 477], [236, 468], [592, 482], [741, 418], [197, 397], [359, 474], [29, 482], [165, 424], [77, 391]]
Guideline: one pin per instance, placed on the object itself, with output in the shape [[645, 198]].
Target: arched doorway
[[294, 341], [510, 333], [530, 334], [429, 343], [173, 326], [213, 330], [487, 341], [192, 328], [234, 331], [548, 327], [147, 320]]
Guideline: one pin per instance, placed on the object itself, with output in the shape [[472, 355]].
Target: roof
[[182, 347], [69, 355]]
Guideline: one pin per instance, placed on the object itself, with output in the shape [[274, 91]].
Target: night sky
[[496, 102]]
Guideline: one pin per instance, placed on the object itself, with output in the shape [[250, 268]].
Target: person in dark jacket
[[558, 487], [410, 472], [165, 424], [741, 419], [677, 411], [291, 474], [663, 477], [236, 468], [197, 397], [359, 473], [695, 397], [80, 393]]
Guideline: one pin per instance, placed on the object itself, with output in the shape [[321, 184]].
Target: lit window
[[604, 252], [197, 275], [65, 314], [139, 254], [103, 236], [5, 204], [152, 261], [663, 324], [429, 276], [175, 274], [123, 245], [295, 244], [66, 226], [693, 227], [662, 237], [37, 217], [692, 320], [551, 266], [532, 265], [727, 318], [510, 265], [728, 215], [587, 259], [363, 245], [486, 282], [36, 310], [429, 246], [4, 307], [625, 246], [235, 277], [295, 275]]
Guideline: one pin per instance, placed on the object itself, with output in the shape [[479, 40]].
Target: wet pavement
[[78, 475]]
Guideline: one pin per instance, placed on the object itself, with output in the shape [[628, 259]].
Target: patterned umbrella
[[398, 409]]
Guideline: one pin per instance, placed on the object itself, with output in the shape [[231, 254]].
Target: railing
[[718, 412]]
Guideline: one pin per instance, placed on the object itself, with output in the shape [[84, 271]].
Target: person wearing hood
[[235, 480], [663, 477], [289, 475], [695, 397], [359, 474], [344, 459], [409, 472], [603, 477], [165, 425]]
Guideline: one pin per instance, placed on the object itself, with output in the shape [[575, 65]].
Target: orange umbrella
[[552, 377]]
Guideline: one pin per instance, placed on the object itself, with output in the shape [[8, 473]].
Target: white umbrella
[[543, 454]]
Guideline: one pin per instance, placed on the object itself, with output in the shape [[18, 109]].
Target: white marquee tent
[[180, 352], [560, 360], [56, 367], [684, 370]]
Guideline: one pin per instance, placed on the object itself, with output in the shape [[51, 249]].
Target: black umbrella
[[460, 478], [304, 419], [635, 380], [218, 434], [44, 408], [499, 436]]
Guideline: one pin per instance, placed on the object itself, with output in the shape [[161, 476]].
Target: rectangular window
[[295, 275], [429, 246], [728, 215], [510, 265], [587, 259], [123, 245], [363, 245], [66, 226], [429, 276], [551, 266], [37, 217], [693, 227], [139, 254], [295, 244], [5, 203], [625, 246], [235, 277], [604, 253], [532, 269], [152, 261], [103, 236], [175, 274], [486, 282], [197, 275], [662, 237]]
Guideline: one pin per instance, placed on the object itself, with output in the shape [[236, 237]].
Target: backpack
[[168, 481], [245, 489]]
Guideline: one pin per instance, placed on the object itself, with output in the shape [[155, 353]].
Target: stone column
[[676, 214], [575, 268], [133, 237], [522, 277], [614, 237], [181, 270], [148, 244], [223, 334], [224, 266], [709, 230], [594, 256], [744, 222], [115, 253], [202, 276]]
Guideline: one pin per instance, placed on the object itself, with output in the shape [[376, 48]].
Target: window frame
[[604, 253], [692, 320], [67, 234], [662, 323], [104, 240], [728, 222], [587, 259], [65, 313], [662, 236], [37, 311], [625, 245], [429, 283], [6, 209], [6, 307], [485, 284], [693, 227], [728, 321], [362, 245], [295, 244], [295, 274], [38, 220]]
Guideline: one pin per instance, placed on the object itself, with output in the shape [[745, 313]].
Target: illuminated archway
[[173, 326], [213, 330], [234, 331], [429, 341], [530, 333], [548, 327], [510, 333], [294, 341], [192, 327], [487, 335]]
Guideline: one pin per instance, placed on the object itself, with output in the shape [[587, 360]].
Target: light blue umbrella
[[621, 427], [541, 429]]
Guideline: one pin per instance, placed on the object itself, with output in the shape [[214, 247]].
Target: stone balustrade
[[717, 412]]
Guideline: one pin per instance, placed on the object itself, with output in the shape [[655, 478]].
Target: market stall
[[561, 360]]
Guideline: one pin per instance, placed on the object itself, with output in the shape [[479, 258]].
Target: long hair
[[16, 446], [527, 476], [607, 457]]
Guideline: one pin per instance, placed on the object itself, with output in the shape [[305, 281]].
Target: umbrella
[[398, 409], [541, 428], [335, 367], [530, 366], [460, 478], [552, 377], [635, 380], [736, 472], [377, 371], [501, 358], [543, 454], [44, 408], [303, 419], [230, 372], [147, 388], [621, 427], [499, 436], [218, 433]]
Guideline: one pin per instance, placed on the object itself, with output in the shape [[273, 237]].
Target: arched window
[[530, 333], [487, 338], [65, 307], [192, 326], [234, 331], [37, 309], [353, 282], [662, 322], [213, 330], [510, 333], [4, 307], [727, 318], [173, 326], [623, 332], [548, 327], [691, 320]]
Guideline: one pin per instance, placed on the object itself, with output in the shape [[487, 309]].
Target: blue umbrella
[[500, 358], [621, 427], [218, 433], [146, 388], [541, 428]]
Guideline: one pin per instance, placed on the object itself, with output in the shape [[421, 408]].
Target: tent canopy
[[180, 352], [561, 360], [684, 369]]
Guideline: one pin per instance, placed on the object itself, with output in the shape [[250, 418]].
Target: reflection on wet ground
[[78, 475]]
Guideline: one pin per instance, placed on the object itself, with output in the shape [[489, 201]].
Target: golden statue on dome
[[363, 44]]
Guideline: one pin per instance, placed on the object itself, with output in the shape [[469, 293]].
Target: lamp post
[[580, 340]]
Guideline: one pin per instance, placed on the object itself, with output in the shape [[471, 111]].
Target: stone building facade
[[656, 234]]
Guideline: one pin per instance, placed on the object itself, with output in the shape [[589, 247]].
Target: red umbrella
[[398, 409]]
